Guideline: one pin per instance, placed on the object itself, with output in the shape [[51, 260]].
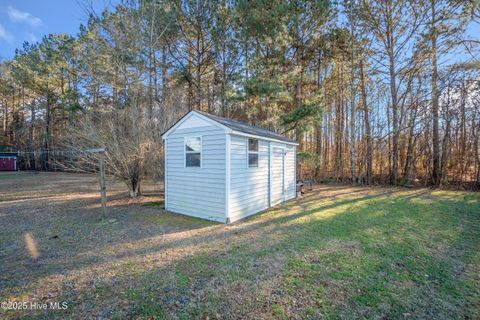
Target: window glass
[[252, 152], [253, 159], [253, 145], [192, 159], [193, 144], [193, 149]]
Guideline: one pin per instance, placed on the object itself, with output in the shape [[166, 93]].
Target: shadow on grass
[[374, 260], [387, 255]]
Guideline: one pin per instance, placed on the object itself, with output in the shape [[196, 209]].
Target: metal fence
[[51, 160]]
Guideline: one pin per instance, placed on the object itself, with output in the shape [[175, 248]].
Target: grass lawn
[[338, 252]]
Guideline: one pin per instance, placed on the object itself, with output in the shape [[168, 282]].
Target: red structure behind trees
[[8, 161]]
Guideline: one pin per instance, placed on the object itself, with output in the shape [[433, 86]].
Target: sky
[[30, 20]]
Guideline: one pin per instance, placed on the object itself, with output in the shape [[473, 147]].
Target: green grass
[[11, 175], [145, 305], [393, 256], [155, 204], [396, 255], [338, 253]]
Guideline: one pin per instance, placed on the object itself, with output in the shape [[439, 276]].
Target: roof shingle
[[246, 128]]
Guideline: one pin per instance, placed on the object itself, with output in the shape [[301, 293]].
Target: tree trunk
[[393, 94], [436, 172], [134, 187], [352, 98], [444, 158], [115, 101], [198, 78], [410, 146], [318, 149], [45, 153], [151, 55], [31, 135], [368, 133], [164, 73], [5, 117], [298, 100], [475, 129]]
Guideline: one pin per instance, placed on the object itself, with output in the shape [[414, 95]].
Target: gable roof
[[246, 128], [236, 127]]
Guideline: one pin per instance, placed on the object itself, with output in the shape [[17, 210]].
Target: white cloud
[[5, 35], [20, 16]]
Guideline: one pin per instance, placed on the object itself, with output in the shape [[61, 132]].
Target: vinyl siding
[[197, 191], [276, 173], [201, 192], [290, 179], [248, 186]]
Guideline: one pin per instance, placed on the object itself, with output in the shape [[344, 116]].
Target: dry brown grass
[[307, 258]]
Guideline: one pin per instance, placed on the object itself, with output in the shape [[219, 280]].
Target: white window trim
[[254, 152], [185, 152], [227, 176]]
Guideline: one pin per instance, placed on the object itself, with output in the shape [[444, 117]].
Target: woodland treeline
[[373, 91]]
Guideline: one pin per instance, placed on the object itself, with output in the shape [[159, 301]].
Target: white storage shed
[[224, 170]]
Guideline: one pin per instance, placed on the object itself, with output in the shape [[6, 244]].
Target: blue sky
[[30, 20]]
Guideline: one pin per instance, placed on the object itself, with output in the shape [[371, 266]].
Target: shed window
[[193, 152], [252, 153]]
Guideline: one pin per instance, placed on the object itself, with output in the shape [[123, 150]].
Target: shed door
[[277, 190]]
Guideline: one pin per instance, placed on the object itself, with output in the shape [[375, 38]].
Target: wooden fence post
[[103, 193]]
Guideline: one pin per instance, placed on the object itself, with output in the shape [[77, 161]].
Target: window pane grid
[[193, 152], [252, 153]]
